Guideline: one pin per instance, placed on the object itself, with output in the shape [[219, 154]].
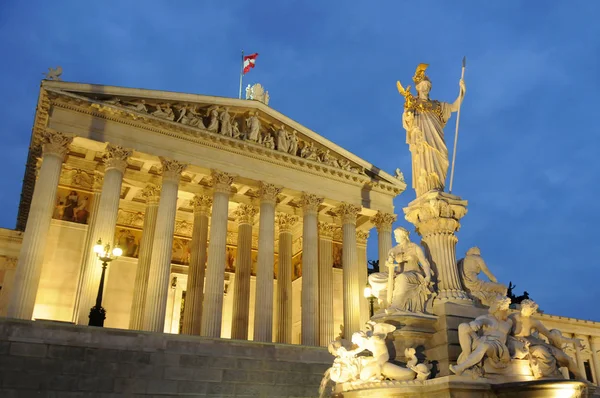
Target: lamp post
[[104, 254], [368, 293]]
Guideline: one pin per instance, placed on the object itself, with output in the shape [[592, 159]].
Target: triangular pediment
[[246, 120]]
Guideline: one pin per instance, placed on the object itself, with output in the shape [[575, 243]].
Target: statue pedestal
[[412, 331], [436, 217]]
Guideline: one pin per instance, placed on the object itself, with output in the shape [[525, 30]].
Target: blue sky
[[527, 151]]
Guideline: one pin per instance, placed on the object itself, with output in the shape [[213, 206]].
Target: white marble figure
[[137, 105], [195, 119], [282, 143], [469, 268], [412, 286], [351, 366], [213, 124], [309, 151], [293, 143], [166, 112], [257, 92], [235, 128], [54, 73], [485, 338], [253, 125], [424, 120], [225, 118], [268, 141], [545, 358]]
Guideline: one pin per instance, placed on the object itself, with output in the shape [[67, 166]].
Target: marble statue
[[164, 112], [485, 338], [194, 118], [226, 128], [293, 143], [213, 124], [350, 365], [424, 120], [268, 141], [54, 73], [411, 286], [138, 105], [282, 139], [469, 268], [545, 358], [235, 129], [257, 92], [309, 151], [253, 125]]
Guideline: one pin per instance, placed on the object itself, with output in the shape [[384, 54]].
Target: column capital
[[285, 222], [116, 157], [151, 193], [383, 221], [172, 169], [245, 214], [221, 181], [310, 203], [201, 204], [347, 212], [98, 181], [436, 213], [326, 230], [361, 237], [268, 192], [55, 143]]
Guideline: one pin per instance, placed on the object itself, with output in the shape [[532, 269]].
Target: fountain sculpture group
[[421, 291]]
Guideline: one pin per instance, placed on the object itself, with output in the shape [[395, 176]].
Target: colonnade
[[205, 289]]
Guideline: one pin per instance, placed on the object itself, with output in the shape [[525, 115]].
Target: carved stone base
[[436, 217]]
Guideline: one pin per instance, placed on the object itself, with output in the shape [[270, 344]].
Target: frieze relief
[[234, 123], [77, 178], [7, 262]]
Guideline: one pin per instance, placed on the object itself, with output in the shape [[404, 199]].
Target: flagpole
[[241, 75], [462, 76]]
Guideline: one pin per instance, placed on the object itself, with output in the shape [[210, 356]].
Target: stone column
[[140, 288], [383, 222], [326, 326], [263, 309], [595, 348], [29, 267], [115, 160], [162, 248], [578, 356], [97, 189], [436, 217], [352, 289], [310, 269], [361, 254], [241, 286], [212, 308], [194, 294], [285, 223]]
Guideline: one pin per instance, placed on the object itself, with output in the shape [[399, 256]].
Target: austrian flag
[[249, 61]]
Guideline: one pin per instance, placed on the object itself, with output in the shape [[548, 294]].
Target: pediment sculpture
[[367, 359], [257, 92], [407, 285]]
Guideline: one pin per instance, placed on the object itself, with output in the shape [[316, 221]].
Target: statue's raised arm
[[424, 121]]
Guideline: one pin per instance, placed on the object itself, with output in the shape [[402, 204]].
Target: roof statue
[[53, 73], [424, 120], [257, 92]]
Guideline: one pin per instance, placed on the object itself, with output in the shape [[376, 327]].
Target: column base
[[454, 296]]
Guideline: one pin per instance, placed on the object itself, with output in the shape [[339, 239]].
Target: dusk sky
[[528, 145]]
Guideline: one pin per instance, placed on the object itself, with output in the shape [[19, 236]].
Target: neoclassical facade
[[234, 220]]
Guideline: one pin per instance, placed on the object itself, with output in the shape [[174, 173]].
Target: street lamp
[[368, 293], [104, 254]]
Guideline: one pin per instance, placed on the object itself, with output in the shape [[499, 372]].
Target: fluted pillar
[[285, 222], [115, 160], [578, 356], [162, 248], [263, 310], [194, 295], [326, 326], [212, 309], [142, 273], [352, 289], [436, 217], [97, 189], [310, 269], [595, 347], [241, 286], [29, 267], [383, 222], [361, 255]]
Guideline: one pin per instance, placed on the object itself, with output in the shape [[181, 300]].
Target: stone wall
[[47, 359]]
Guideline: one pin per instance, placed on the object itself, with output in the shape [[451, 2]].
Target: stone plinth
[[412, 331], [436, 216]]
